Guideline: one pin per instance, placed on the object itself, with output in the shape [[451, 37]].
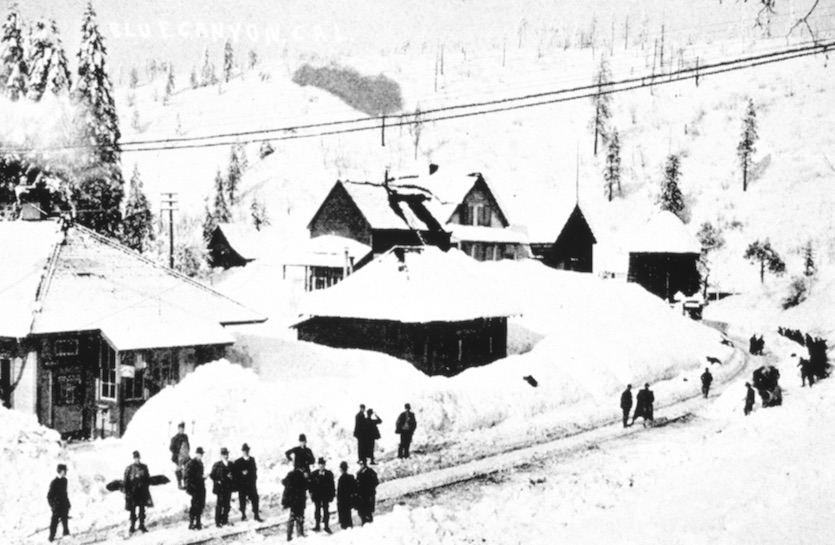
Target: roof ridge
[[171, 272]]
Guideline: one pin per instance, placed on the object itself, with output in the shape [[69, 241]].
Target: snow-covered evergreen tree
[[169, 84], [243, 160], [228, 61], [265, 149], [220, 213], [138, 225], [208, 71], [671, 198], [258, 213], [809, 267], [602, 104], [747, 144], [101, 187], [233, 176], [13, 69], [48, 66], [766, 257], [611, 172], [195, 83]]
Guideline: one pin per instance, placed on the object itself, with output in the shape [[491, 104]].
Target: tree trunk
[[745, 175], [762, 271]]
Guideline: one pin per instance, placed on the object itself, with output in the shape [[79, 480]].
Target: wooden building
[[378, 215], [235, 245], [89, 329], [327, 259], [429, 307], [664, 257], [569, 243]]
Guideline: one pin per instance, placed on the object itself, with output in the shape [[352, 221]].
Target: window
[[164, 368], [66, 347], [134, 388], [68, 390], [466, 215], [107, 373], [484, 215]]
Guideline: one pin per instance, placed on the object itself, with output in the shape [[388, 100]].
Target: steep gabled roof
[[558, 218], [89, 282], [414, 285], [249, 242], [576, 216]]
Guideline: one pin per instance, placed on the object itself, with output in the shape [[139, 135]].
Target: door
[[68, 402], [6, 382]]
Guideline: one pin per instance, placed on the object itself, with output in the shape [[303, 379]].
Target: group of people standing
[[644, 402], [367, 431]]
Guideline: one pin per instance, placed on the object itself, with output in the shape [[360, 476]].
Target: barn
[[421, 304], [664, 257], [89, 329]]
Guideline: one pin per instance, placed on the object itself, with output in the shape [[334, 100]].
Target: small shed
[[569, 245], [432, 308], [326, 260], [664, 257]]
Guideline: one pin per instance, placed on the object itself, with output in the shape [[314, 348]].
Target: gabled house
[[234, 245], [568, 244], [89, 329], [432, 308], [379, 215], [664, 257], [470, 210]]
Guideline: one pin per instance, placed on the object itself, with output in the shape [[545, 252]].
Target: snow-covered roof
[[549, 227], [83, 281], [476, 233], [249, 242], [665, 233], [327, 251], [377, 208], [413, 285]]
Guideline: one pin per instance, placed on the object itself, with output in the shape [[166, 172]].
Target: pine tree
[[258, 212], [602, 104], [253, 59], [233, 176], [220, 214], [138, 225], [265, 149], [711, 239], [228, 61], [13, 69], [48, 66], [207, 72], [243, 160], [195, 83], [764, 254], [100, 187], [611, 172], [809, 267], [133, 78], [209, 222], [169, 84], [747, 144], [671, 198]]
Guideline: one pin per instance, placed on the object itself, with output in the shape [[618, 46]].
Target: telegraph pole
[[168, 200]]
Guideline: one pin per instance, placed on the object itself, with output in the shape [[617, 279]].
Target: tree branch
[[805, 21]]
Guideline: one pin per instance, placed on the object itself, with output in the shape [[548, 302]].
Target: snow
[[665, 233]]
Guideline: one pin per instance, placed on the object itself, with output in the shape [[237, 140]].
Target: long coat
[[643, 405], [222, 477], [367, 482], [626, 400], [57, 495], [347, 490], [195, 481], [322, 486], [359, 425], [295, 491], [371, 429], [246, 473], [137, 486], [179, 448], [406, 423]]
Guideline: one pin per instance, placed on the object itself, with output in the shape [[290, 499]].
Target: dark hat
[[199, 450], [181, 425], [61, 467], [303, 437], [136, 454], [343, 465], [321, 460], [223, 451], [245, 447]]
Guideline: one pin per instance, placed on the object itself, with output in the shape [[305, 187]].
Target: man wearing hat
[[196, 488], [137, 491], [294, 497], [246, 474], [366, 491], [322, 492], [405, 427], [301, 456], [345, 496], [179, 448], [59, 502], [224, 479]]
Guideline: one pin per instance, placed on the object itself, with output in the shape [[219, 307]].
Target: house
[[89, 329], [432, 308], [235, 244], [326, 260], [664, 257], [568, 242], [470, 210], [378, 215]]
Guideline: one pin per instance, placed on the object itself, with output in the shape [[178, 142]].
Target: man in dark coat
[[345, 496], [366, 492], [643, 404], [301, 456], [59, 502], [405, 427], [372, 433], [749, 398], [137, 491], [707, 379], [626, 403], [322, 492], [223, 478], [246, 474], [179, 448], [359, 432], [296, 484], [195, 483]]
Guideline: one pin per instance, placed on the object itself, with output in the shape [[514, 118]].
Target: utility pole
[[383, 131], [168, 200]]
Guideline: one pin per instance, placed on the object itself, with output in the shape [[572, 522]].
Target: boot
[[258, 518], [143, 529]]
